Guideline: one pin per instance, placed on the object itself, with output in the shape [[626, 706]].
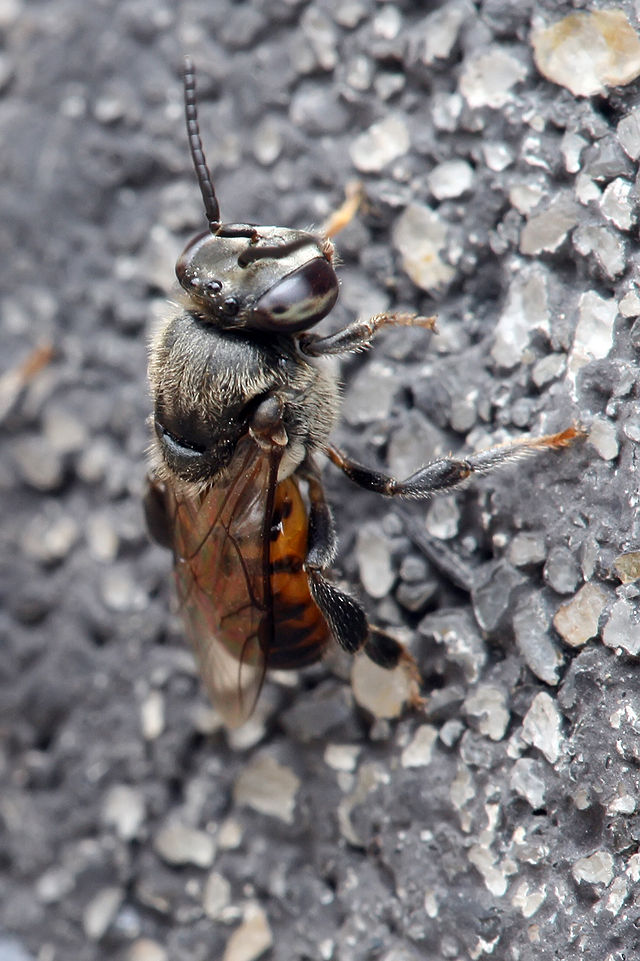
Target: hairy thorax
[[208, 382]]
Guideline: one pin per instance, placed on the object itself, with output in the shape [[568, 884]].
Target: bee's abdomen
[[300, 632]]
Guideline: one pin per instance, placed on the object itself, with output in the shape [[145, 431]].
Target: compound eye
[[299, 300]]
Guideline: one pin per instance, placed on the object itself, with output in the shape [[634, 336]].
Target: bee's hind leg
[[343, 613]]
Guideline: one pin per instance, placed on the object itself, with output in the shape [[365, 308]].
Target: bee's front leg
[[359, 334]]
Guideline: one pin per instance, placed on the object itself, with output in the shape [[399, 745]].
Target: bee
[[245, 397]]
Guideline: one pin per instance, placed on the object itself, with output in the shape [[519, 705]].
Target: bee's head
[[270, 279]]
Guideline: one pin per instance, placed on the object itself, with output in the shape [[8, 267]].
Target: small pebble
[[269, 787], [419, 750], [152, 715], [487, 80], [101, 911], [443, 518], [487, 704], [541, 727], [561, 570], [177, 843], [606, 245], [382, 692], [546, 231], [548, 368], [39, 464], [527, 547], [144, 949], [593, 338], [342, 757], [526, 310], [450, 179], [628, 132], [596, 869], [530, 623], [419, 235], [249, 941], [216, 896], [383, 142], [493, 593], [622, 629], [124, 810], [527, 780], [373, 553], [588, 52], [617, 203], [603, 436], [627, 566], [577, 621]]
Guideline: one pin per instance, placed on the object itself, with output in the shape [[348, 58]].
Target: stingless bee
[[245, 398]]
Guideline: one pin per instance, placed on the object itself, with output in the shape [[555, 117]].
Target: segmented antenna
[[211, 206]]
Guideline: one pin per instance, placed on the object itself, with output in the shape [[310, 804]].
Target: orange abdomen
[[300, 631]]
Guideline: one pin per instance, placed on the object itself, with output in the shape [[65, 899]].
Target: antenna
[[211, 206]]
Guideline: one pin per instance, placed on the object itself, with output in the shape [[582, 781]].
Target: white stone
[[152, 716], [492, 874], [177, 843], [606, 246], [586, 189], [497, 156], [252, 938], [268, 787], [373, 553], [487, 80], [526, 310], [418, 752], [596, 869], [618, 893], [572, 145], [603, 436], [617, 205], [629, 306], [383, 142], [382, 692], [622, 630], [101, 911], [216, 896], [419, 235], [342, 757], [624, 804], [525, 197], [124, 810], [450, 179], [546, 231], [438, 32], [145, 949], [577, 621], [628, 131], [548, 368], [528, 899], [593, 338], [488, 705], [527, 780], [541, 727], [443, 518], [586, 52]]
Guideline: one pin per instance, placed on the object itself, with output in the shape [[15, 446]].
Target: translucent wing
[[221, 551]]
